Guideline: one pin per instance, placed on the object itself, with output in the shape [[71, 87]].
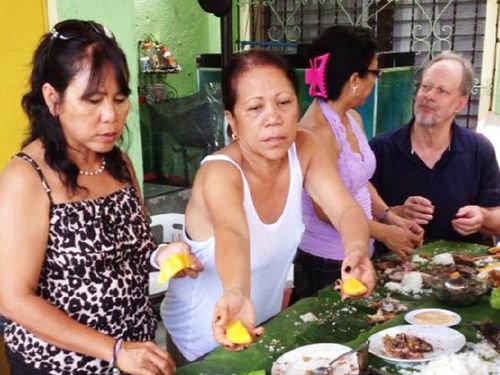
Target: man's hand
[[468, 220], [417, 208]]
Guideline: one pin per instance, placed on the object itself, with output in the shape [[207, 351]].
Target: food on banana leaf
[[491, 332]]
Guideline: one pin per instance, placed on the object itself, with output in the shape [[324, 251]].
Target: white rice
[[476, 359], [308, 317], [443, 259], [418, 259], [411, 283]]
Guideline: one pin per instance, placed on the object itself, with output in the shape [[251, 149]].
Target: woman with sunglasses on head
[[343, 71], [74, 242]]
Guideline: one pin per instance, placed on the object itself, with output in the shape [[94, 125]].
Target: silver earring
[[235, 137]]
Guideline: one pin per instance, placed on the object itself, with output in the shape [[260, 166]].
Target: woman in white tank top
[[244, 221]]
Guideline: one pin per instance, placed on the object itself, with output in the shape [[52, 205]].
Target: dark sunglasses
[[376, 72], [72, 29]]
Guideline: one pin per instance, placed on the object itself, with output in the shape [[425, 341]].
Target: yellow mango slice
[[490, 266], [354, 287], [237, 333], [173, 264]]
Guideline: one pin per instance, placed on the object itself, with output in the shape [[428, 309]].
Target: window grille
[[425, 27]]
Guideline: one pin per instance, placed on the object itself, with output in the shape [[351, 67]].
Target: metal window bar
[[423, 26]]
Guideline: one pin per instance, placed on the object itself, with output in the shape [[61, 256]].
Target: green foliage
[[495, 299]]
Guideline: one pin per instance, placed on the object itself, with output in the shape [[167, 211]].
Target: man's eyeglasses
[[72, 29], [376, 72]]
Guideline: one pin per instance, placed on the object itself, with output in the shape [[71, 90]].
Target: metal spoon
[[361, 354]]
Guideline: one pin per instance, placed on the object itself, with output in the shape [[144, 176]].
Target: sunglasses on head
[[72, 29]]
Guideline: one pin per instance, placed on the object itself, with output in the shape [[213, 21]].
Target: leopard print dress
[[96, 271]]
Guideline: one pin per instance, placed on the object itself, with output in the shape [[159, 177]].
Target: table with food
[[438, 313]]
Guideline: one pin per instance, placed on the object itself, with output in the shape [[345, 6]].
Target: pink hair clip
[[315, 76]]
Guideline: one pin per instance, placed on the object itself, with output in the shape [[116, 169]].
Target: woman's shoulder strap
[[221, 157], [36, 167]]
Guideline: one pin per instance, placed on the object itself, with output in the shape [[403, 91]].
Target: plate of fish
[[415, 343]]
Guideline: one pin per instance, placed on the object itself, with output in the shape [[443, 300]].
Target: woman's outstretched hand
[[231, 306], [357, 264]]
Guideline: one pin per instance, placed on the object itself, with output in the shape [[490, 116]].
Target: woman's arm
[[221, 189], [24, 225], [323, 183]]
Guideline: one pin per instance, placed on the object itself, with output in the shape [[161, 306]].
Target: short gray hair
[[467, 70]]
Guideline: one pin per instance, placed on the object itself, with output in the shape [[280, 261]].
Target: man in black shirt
[[444, 177]]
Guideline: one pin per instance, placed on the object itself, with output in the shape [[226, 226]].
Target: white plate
[[433, 317], [444, 341], [306, 358]]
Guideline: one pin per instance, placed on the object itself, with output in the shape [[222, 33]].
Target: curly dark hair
[[351, 49], [57, 60]]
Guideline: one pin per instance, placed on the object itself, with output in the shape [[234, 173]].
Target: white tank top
[[188, 308]]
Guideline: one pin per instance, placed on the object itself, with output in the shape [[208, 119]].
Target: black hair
[[351, 49], [244, 61], [57, 60]]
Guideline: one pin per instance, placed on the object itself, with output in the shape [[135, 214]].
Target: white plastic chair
[[172, 225]]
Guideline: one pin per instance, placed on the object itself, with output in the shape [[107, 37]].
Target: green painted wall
[[185, 29], [118, 16]]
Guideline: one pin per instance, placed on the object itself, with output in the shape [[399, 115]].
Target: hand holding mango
[[176, 260], [351, 287], [173, 264], [237, 333], [357, 265], [354, 287]]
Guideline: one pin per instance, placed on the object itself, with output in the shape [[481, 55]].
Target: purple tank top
[[320, 238]]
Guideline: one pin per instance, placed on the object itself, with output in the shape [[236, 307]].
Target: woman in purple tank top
[[343, 71]]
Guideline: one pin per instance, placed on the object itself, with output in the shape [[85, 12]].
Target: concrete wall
[[19, 35]]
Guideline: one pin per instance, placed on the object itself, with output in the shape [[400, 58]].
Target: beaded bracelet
[[384, 215], [116, 349]]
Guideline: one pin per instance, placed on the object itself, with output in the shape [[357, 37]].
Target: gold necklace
[[95, 172]]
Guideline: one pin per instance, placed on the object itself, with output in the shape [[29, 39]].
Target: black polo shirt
[[466, 174]]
